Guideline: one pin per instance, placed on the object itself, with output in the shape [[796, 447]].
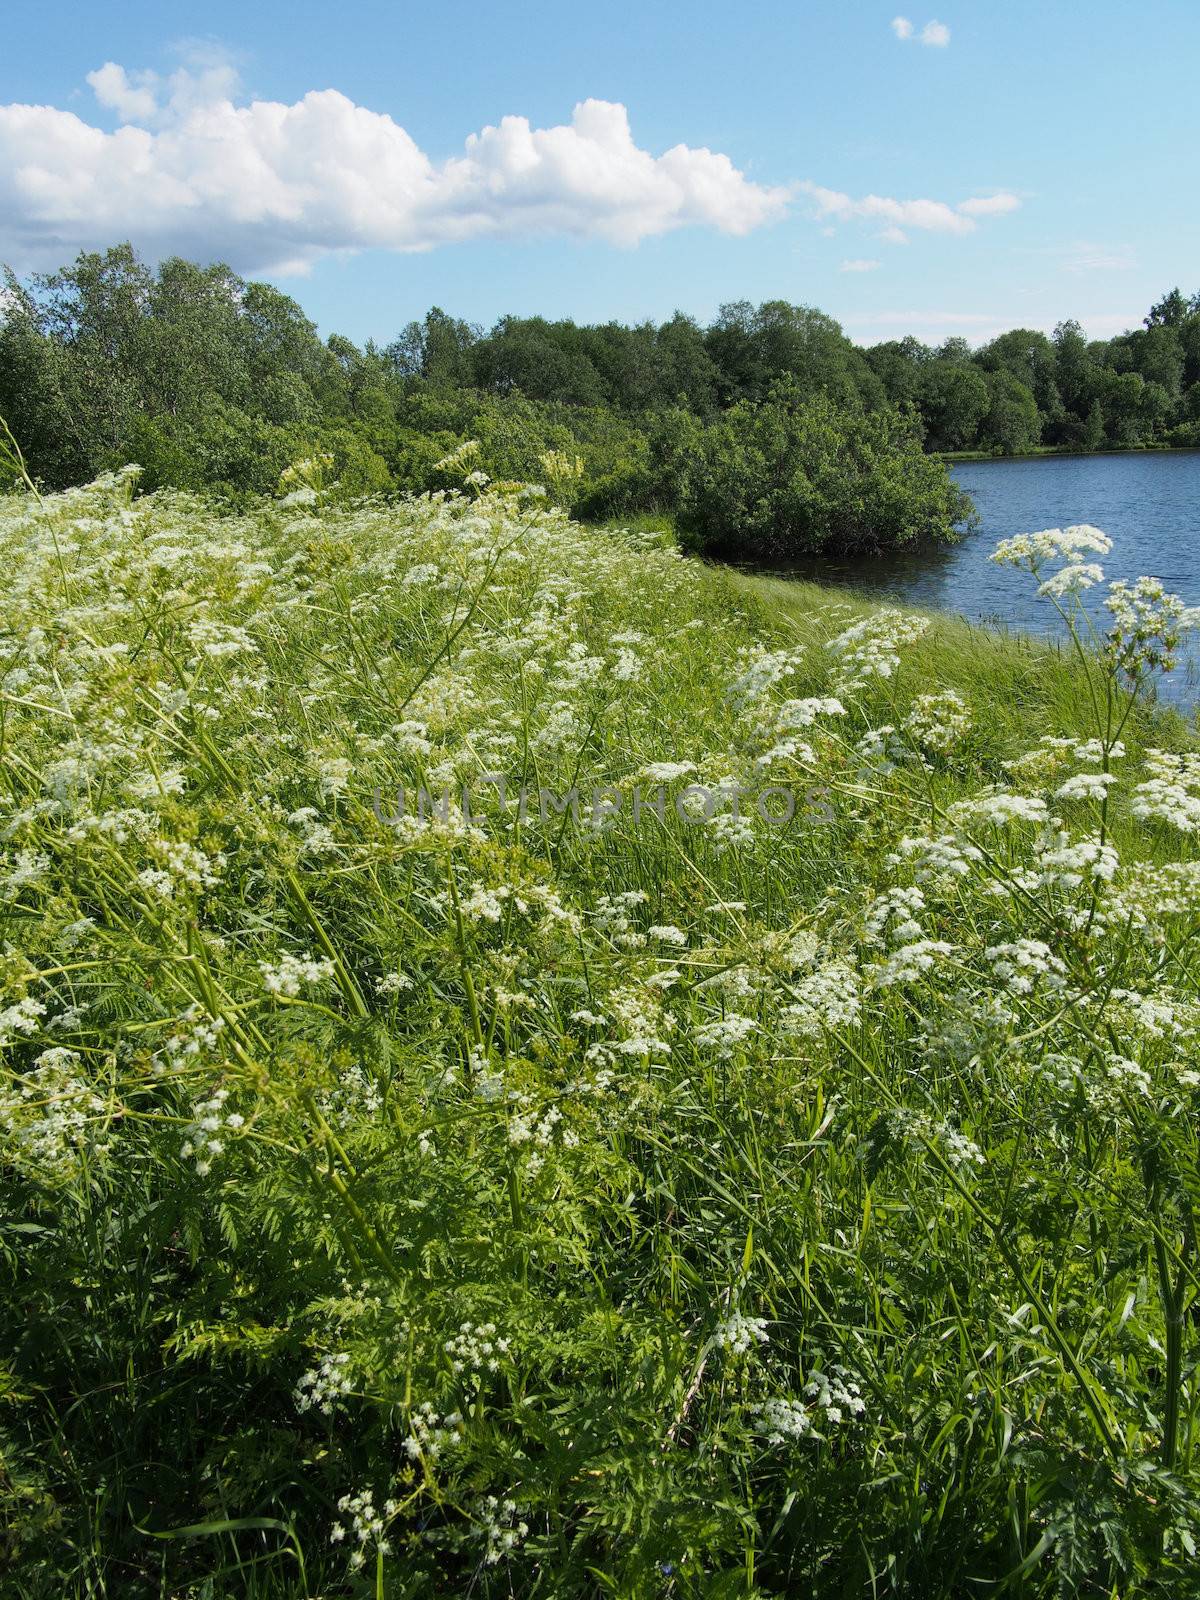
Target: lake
[[1148, 504]]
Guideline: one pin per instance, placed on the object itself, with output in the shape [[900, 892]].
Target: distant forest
[[767, 430]]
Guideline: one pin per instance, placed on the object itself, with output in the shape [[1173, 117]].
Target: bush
[[795, 477]]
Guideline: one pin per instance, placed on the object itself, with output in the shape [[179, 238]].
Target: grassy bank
[[1143, 447], [663, 1196]]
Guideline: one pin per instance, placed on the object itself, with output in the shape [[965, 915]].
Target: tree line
[[766, 432]]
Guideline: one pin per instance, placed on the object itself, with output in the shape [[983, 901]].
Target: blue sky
[[1068, 130]]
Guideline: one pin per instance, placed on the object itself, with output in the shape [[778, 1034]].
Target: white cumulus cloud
[[933, 33], [931, 216], [133, 99], [269, 186], [991, 205]]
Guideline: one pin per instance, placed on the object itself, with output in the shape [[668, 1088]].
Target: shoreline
[[961, 457]]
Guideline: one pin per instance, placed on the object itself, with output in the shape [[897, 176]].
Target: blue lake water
[[1148, 504]]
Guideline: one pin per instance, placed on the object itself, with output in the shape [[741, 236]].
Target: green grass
[[665, 1207], [1029, 685]]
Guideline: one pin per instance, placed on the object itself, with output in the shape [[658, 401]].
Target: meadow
[[668, 1198]]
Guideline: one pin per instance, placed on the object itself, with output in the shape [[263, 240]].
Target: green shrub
[[794, 477]]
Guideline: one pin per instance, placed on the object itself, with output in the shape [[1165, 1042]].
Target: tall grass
[[622, 1203]]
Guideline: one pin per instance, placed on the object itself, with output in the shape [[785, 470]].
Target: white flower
[[909, 962], [724, 1036], [475, 1349], [666, 771], [1068, 545], [938, 722], [288, 975], [738, 1334], [503, 1528], [1086, 786], [323, 1387], [1172, 793], [1073, 579], [1020, 964]]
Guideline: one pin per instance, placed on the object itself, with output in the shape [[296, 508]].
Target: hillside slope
[[648, 1196]]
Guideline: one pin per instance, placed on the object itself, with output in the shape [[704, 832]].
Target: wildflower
[[1071, 580], [502, 1527], [871, 648], [49, 1115], [724, 1036], [429, 1433], [475, 1349], [667, 771], [29, 869], [935, 859], [761, 671], [1148, 625], [1172, 793], [1086, 786], [334, 775], [20, 1018], [1019, 965], [938, 722], [738, 1334], [323, 1387], [782, 1419], [290, 973], [182, 866], [827, 997], [804, 713], [892, 916], [999, 809], [393, 983], [612, 915], [204, 1140], [1067, 545], [366, 1525], [909, 962]]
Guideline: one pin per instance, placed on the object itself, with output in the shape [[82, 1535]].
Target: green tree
[[900, 365], [953, 401], [752, 346], [1170, 311], [1092, 437], [1013, 423]]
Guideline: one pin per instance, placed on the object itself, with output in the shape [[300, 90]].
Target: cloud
[[930, 326], [860, 266], [275, 187], [1083, 256], [933, 326], [133, 100], [934, 33], [922, 319], [931, 216], [991, 205]]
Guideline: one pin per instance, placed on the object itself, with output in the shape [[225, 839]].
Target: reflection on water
[[1148, 504]]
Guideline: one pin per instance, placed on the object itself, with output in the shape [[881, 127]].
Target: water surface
[[1148, 504]]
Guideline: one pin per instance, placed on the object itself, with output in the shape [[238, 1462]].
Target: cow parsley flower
[[503, 1528], [322, 1388], [738, 1334], [291, 973]]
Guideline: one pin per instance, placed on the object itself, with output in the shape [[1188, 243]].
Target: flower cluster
[[210, 1126], [322, 1387]]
